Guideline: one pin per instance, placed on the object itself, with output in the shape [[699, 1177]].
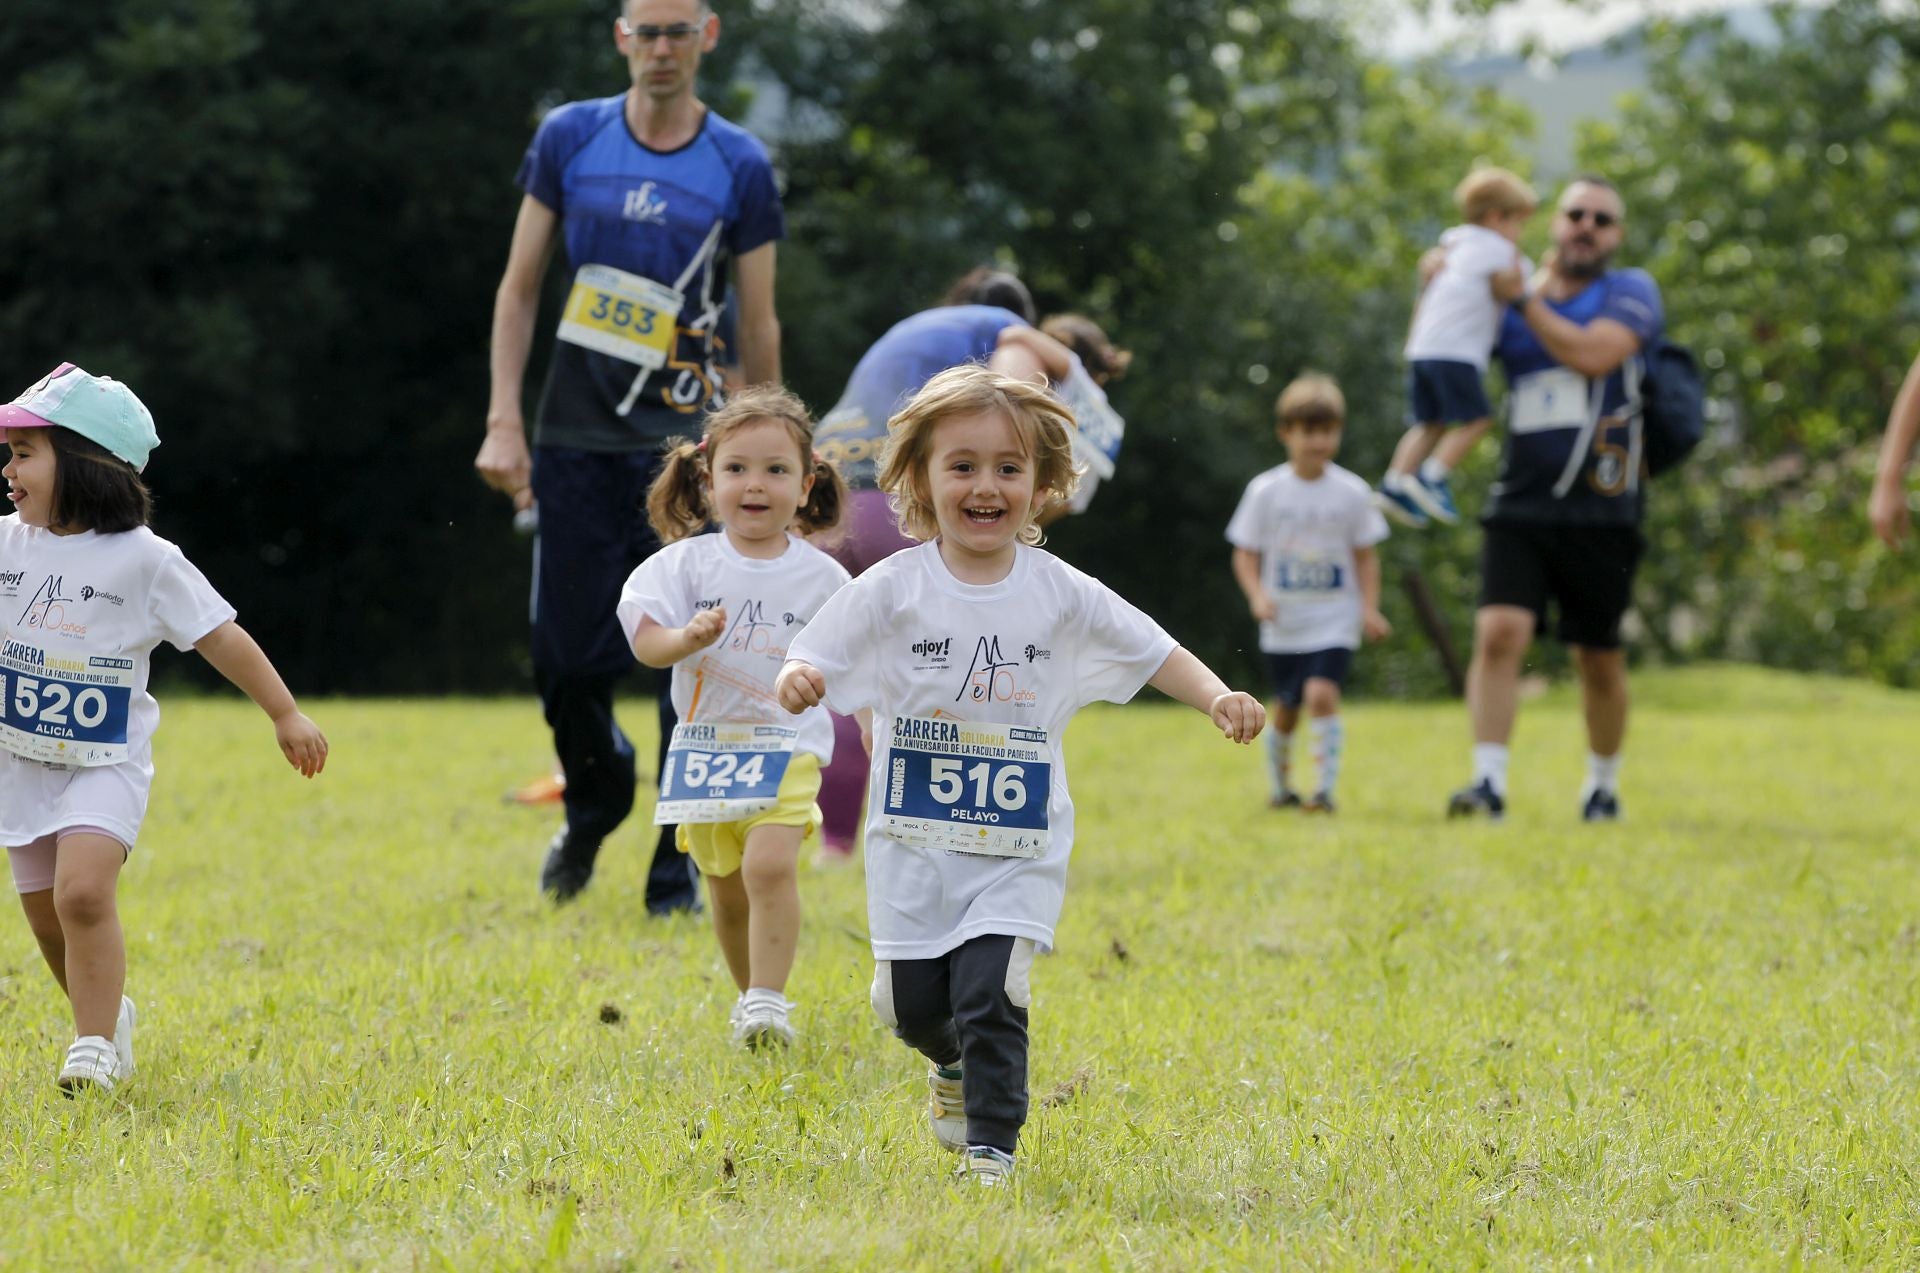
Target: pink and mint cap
[[98, 408]]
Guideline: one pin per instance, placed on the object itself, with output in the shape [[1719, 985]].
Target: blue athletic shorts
[[1291, 672], [1442, 392]]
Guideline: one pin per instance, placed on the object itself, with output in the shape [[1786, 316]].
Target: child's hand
[[301, 742], [1376, 626], [1238, 715], [800, 686], [1264, 607], [705, 628]]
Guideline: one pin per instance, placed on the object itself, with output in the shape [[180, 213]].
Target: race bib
[[1302, 575], [632, 318], [1096, 442], [1552, 399], [968, 788], [64, 711], [723, 773]]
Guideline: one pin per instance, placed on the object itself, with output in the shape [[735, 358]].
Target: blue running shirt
[[914, 351], [1548, 409], [650, 213]]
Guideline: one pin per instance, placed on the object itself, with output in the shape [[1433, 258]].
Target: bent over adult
[[1562, 525], [654, 196]]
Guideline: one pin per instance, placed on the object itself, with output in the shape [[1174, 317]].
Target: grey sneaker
[[947, 1108], [986, 1166]]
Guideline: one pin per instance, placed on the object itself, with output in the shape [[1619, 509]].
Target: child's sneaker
[[1285, 800], [947, 1107], [123, 1038], [1322, 802], [986, 1166], [1434, 495], [91, 1062], [1395, 503], [762, 1021]]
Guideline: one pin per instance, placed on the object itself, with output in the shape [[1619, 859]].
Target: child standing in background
[[972, 651], [741, 777], [1451, 340], [1303, 553]]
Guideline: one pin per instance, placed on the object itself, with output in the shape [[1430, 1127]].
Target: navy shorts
[[1443, 392], [1585, 572], [1291, 672]]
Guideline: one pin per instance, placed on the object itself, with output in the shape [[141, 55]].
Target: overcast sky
[[1554, 24]]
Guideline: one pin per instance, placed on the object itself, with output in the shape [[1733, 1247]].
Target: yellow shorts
[[718, 847]]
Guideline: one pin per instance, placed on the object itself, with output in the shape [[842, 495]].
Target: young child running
[[720, 609], [86, 593], [972, 651], [1452, 337], [1303, 553]]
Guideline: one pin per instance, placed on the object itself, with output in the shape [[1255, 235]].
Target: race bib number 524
[[64, 711], [968, 788]]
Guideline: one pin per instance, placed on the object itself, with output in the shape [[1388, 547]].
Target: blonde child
[[971, 652], [1303, 552], [86, 593], [1454, 326], [740, 777]]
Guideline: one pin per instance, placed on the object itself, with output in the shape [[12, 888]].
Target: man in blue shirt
[[1563, 521], [654, 196]]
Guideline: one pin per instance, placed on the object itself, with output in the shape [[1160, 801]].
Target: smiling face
[[981, 484], [759, 482], [664, 67], [29, 472]]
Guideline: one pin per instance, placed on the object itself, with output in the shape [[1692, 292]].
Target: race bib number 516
[[968, 788], [64, 711]]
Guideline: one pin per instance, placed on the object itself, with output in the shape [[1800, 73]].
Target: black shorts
[[1291, 672], [1442, 392], [1586, 572]]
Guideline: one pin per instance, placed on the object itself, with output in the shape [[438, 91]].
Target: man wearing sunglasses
[[1563, 520], [657, 200]]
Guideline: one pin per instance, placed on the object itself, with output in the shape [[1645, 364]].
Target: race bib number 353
[[723, 773], [63, 711], [968, 788], [632, 318]]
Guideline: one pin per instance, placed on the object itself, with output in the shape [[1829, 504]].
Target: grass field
[[1266, 1041]]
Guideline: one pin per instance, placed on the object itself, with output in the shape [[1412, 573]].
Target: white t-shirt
[[1305, 533], [1457, 317], [767, 603], [907, 639], [79, 617]]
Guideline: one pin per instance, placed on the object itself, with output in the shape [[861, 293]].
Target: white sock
[[1435, 469], [1393, 481], [1603, 773], [763, 994], [1279, 760], [1490, 763], [1328, 735]]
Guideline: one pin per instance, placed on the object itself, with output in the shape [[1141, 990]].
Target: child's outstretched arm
[[1246, 573], [658, 646], [802, 685], [236, 656], [1186, 678]]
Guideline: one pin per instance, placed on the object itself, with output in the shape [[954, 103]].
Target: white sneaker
[[123, 1038], [986, 1166], [762, 1021], [947, 1107], [91, 1062]]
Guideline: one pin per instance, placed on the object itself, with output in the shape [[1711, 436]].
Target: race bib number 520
[[64, 711], [968, 788]]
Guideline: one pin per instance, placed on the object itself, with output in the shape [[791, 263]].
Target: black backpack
[[1672, 403]]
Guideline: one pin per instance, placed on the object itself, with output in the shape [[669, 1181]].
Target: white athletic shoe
[[986, 1166], [123, 1038], [91, 1062], [947, 1108], [762, 1021]]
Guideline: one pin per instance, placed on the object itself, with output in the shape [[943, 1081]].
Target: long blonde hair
[[1041, 421], [677, 501]]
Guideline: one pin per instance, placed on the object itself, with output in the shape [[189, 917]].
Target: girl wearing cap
[[86, 593]]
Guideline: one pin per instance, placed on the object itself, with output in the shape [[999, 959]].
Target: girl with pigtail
[[741, 775]]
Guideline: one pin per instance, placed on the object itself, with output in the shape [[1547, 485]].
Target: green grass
[[1266, 1040]]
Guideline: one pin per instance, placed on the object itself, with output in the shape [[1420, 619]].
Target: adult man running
[[1563, 520], [654, 195]]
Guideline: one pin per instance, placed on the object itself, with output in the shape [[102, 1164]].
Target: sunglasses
[[678, 34], [1601, 220]]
